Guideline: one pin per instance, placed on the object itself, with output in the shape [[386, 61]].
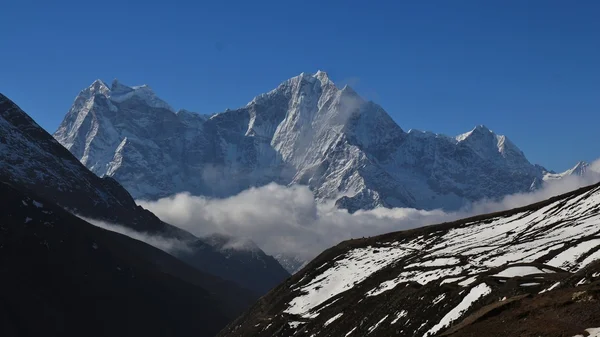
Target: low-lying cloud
[[169, 245], [288, 220]]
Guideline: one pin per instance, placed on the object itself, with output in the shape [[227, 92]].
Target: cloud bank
[[288, 220]]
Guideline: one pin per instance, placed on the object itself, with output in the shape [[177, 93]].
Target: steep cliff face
[[305, 131]]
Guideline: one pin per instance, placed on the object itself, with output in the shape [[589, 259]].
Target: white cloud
[[168, 245], [287, 220]]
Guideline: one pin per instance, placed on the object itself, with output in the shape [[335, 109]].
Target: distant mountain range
[[305, 131]]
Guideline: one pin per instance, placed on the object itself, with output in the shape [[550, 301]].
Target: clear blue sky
[[527, 69]]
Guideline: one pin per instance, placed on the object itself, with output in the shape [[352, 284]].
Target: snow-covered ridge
[[119, 93], [436, 276], [582, 168]]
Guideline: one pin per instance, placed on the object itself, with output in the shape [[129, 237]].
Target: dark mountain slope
[[33, 160], [448, 278], [64, 277]]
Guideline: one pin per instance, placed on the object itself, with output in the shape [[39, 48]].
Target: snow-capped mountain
[[33, 160], [505, 274], [305, 131], [581, 169]]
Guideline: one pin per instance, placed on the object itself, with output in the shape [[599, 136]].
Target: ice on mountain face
[[306, 131]]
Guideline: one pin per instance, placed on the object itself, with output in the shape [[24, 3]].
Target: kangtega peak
[[306, 131]]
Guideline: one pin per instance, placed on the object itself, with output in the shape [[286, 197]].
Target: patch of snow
[[38, 204], [344, 274], [446, 261], [451, 280], [371, 329], [294, 324], [531, 284], [468, 281], [521, 271], [28, 219], [329, 321], [401, 314], [474, 294], [554, 286], [568, 257], [592, 332], [350, 332], [439, 299]]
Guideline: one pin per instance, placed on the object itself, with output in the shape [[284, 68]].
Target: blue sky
[[527, 69]]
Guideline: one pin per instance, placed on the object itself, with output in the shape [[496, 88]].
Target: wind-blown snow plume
[[169, 245], [288, 220]]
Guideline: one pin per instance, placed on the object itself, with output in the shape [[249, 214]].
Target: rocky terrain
[[530, 271], [305, 131], [35, 162]]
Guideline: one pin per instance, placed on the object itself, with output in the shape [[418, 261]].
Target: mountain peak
[[579, 169], [98, 83], [320, 76], [482, 127], [481, 130], [98, 87], [323, 77]]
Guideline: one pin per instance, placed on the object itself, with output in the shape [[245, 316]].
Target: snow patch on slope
[[474, 294]]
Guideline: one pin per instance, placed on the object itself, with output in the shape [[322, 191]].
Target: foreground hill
[[526, 272], [62, 276], [31, 159]]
